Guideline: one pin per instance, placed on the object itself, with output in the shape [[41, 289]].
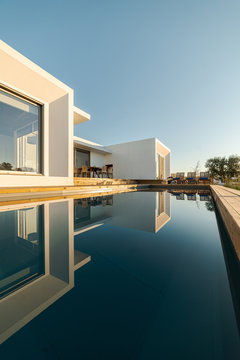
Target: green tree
[[217, 167], [5, 166], [221, 167], [233, 166], [209, 205]]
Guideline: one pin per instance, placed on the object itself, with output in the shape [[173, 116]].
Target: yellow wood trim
[[54, 198]]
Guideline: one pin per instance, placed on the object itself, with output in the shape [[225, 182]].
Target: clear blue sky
[[141, 68]]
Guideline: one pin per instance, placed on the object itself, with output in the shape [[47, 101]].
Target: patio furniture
[[84, 203], [85, 171], [191, 178], [110, 171], [180, 196], [110, 200], [95, 171], [104, 171], [179, 179], [204, 178], [77, 172], [204, 197], [191, 196]]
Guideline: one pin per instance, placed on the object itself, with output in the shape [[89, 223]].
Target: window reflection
[[21, 247], [19, 134], [90, 210]]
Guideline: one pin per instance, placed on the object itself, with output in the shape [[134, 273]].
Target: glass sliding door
[[20, 134], [82, 157]]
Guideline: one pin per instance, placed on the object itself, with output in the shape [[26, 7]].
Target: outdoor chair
[[191, 178], [191, 196], [177, 194], [84, 203], [180, 196], [77, 172], [204, 197], [104, 171], [110, 200], [85, 172], [204, 178], [110, 172], [104, 201]]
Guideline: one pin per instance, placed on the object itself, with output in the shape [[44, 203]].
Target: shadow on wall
[[59, 136]]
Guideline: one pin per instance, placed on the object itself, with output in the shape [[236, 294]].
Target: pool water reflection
[[141, 275], [21, 247]]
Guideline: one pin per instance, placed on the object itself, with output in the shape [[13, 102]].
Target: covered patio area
[[91, 160]]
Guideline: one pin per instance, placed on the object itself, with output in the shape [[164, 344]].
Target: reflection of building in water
[[28, 224], [204, 195], [21, 247], [37, 250], [91, 210], [153, 211], [37, 256], [146, 211], [163, 212], [191, 196]]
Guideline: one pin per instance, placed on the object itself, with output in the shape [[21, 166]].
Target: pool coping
[[228, 203]]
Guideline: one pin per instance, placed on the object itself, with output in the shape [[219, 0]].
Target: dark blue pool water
[[159, 282]]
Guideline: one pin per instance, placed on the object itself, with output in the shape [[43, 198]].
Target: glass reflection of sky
[[149, 292], [21, 247]]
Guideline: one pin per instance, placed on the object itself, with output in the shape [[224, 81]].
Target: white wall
[[59, 137], [97, 159], [133, 160], [21, 75], [123, 212], [165, 153], [167, 166]]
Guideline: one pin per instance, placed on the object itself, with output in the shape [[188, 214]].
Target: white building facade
[[37, 142], [142, 159], [37, 116]]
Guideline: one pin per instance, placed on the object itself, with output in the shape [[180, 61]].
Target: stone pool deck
[[228, 203]]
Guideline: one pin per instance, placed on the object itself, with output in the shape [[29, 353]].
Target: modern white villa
[[37, 142]]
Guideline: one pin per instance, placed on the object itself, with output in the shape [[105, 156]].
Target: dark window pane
[[82, 158]]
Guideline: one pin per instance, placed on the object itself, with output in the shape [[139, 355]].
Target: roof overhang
[[161, 148], [80, 116], [90, 146]]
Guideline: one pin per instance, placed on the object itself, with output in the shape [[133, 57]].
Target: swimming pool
[[139, 275]]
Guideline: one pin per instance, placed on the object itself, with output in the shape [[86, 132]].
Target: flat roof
[[80, 116], [33, 66], [89, 145]]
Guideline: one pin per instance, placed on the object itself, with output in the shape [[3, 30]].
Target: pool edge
[[228, 204]]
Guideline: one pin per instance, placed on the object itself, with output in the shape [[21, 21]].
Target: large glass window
[[20, 124], [82, 158]]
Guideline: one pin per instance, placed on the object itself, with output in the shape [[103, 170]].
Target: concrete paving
[[228, 203]]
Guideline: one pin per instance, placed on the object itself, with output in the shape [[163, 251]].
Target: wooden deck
[[84, 187], [84, 181], [228, 203]]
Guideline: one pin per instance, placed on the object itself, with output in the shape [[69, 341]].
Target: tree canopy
[[224, 168]]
